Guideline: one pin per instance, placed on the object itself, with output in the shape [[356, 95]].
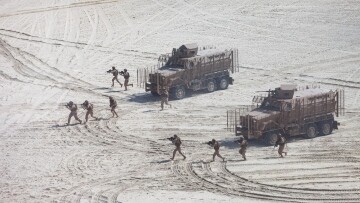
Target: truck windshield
[[270, 105]]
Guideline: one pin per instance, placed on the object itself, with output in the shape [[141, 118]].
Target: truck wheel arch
[[223, 83], [155, 94], [271, 138], [178, 92], [325, 127], [211, 85], [311, 131]]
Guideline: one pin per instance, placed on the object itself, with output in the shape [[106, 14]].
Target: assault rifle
[[171, 138], [209, 143]]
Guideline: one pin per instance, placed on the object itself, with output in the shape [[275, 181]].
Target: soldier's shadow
[[102, 119], [64, 125], [102, 88], [112, 91], [161, 162]]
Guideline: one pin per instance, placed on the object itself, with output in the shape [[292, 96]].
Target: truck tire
[[311, 131], [155, 94], [326, 128], [179, 92], [211, 86], [271, 138], [224, 83]]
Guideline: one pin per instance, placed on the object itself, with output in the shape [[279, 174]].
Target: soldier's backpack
[[127, 75]]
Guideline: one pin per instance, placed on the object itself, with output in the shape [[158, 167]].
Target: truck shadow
[[143, 98], [147, 97], [231, 144]]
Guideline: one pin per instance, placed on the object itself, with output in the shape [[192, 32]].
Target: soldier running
[[216, 146], [113, 105], [177, 142], [115, 74], [89, 107], [164, 97], [73, 111], [243, 145], [126, 77], [281, 141]]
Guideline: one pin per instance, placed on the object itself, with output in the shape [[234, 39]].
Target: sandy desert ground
[[54, 51]]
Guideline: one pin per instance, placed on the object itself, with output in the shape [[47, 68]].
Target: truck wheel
[[326, 128], [179, 92], [311, 131], [154, 93], [211, 86], [224, 83], [271, 138]]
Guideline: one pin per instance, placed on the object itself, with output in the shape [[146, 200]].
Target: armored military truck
[[287, 110], [190, 69]]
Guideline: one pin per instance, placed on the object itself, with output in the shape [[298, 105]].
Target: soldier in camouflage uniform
[[73, 111], [243, 145], [281, 141], [126, 76], [113, 105], [177, 142], [115, 74], [164, 97], [216, 146], [89, 110]]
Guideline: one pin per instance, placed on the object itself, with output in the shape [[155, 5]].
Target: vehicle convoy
[[189, 69], [308, 112]]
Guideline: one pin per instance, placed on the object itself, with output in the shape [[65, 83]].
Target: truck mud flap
[[237, 131], [231, 81], [335, 125]]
